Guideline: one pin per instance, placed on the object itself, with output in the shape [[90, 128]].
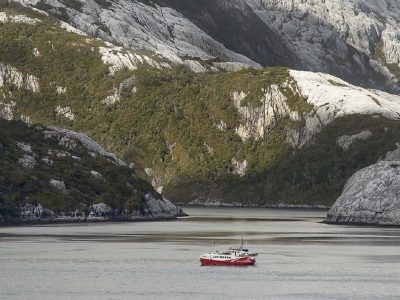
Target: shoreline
[[98, 220], [294, 207], [44, 222]]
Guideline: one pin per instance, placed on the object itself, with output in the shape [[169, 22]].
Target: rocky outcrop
[[6, 18], [326, 33], [345, 141], [370, 196], [333, 98], [154, 209], [258, 120], [62, 184], [67, 137], [10, 75], [118, 59]]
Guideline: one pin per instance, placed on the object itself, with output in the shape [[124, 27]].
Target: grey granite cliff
[[371, 196]]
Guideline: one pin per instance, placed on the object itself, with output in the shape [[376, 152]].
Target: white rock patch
[[195, 66], [47, 161], [257, 121], [345, 141], [90, 144], [24, 147], [239, 168], [36, 52], [61, 90], [26, 119], [333, 98], [149, 172], [96, 175], [119, 58], [7, 110], [5, 18], [67, 142], [58, 185], [65, 112], [27, 161], [58, 154], [72, 29], [117, 91], [100, 209], [231, 66], [222, 126], [112, 99], [10, 75]]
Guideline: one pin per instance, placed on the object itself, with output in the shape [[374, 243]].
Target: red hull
[[234, 262]]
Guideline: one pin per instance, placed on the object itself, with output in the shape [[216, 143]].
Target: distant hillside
[[199, 134], [356, 40]]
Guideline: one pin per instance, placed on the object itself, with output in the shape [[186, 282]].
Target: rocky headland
[[56, 175], [371, 196]]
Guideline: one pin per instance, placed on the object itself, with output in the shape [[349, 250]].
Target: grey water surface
[[299, 258]]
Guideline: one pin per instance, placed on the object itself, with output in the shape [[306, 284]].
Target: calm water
[[299, 258]]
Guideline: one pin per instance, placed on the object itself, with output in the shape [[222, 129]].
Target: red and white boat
[[237, 256]]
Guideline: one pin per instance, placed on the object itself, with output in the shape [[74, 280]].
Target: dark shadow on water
[[236, 219]]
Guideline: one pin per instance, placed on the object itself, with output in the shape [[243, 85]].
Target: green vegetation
[[119, 187], [167, 121]]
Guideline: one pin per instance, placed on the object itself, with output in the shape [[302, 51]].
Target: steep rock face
[[236, 25], [355, 40], [370, 196], [337, 36], [50, 174], [141, 26], [362, 24]]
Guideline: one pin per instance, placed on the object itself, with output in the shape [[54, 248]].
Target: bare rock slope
[[371, 196], [355, 40]]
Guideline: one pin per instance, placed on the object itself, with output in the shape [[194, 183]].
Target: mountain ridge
[[296, 35], [199, 134]]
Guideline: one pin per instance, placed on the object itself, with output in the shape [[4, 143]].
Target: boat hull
[[243, 261]]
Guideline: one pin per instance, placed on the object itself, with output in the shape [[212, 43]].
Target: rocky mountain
[[371, 195], [200, 133], [355, 40], [52, 174]]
